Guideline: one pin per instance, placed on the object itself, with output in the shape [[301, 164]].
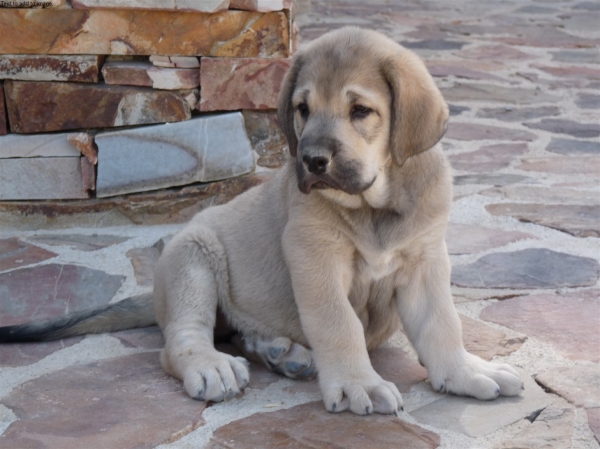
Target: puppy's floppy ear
[[419, 112], [285, 108]]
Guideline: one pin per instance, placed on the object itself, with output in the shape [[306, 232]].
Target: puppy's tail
[[133, 312]]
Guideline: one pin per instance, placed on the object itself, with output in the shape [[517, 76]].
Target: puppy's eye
[[359, 112], [302, 108]]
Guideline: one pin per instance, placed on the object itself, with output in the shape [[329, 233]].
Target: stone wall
[[102, 98]]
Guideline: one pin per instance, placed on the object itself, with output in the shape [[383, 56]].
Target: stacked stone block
[[103, 97]]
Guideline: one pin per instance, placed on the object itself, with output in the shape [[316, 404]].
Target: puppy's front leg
[[321, 269], [434, 328]]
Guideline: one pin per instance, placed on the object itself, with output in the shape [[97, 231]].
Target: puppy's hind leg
[[190, 277], [279, 354]]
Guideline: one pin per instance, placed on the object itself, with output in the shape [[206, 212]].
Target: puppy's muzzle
[[316, 164]]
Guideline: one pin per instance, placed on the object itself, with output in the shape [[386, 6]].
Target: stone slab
[[249, 83], [261, 5], [594, 422], [588, 101], [487, 342], [581, 56], [490, 92], [575, 219], [570, 322], [510, 114], [84, 142], [143, 73], [570, 146], [209, 6], [586, 73], [187, 62], [266, 138], [15, 253], [143, 338], [552, 429], [79, 242], [241, 34], [203, 149], [3, 123], [570, 127], [41, 178], [79, 68], [472, 131], [488, 158], [562, 165], [173, 79], [459, 71], [580, 384], [143, 261], [469, 239], [434, 44], [528, 268], [546, 195], [395, 366], [41, 107], [496, 52], [88, 174], [310, 425], [126, 402], [478, 418], [501, 179], [37, 145]]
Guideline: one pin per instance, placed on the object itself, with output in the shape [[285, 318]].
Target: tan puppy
[[330, 254]]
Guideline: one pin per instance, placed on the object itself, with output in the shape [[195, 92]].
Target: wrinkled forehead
[[335, 74]]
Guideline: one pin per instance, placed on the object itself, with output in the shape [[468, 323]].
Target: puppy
[[322, 262]]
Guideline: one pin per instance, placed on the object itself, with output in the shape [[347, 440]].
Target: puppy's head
[[352, 102]]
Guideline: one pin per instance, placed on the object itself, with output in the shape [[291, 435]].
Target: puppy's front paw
[[362, 394], [471, 376], [214, 376]]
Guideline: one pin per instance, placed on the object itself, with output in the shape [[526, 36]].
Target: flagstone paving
[[522, 81]]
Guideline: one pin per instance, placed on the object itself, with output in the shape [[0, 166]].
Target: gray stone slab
[[588, 101], [41, 178], [434, 44], [570, 127], [80, 68], [488, 158], [478, 418], [468, 239], [585, 56], [528, 268], [210, 6], [491, 92], [510, 114], [547, 195], [472, 131], [498, 180], [203, 149], [570, 146], [36, 145], [78, 241], [580, 384]]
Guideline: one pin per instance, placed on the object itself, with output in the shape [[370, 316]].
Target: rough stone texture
[[144, 338], [495, 53], [187, 62], [582, 56], [570, 127], [42, 107], [204, 149], [210, 6], [127, 402], [510, 114], [37, 145], [80, 242], [485, 341], [459, 71], [266, 138], [261, 5], [393, 365], [569, 146], [580, 384], [434, 44], [594, 422], [15, 253], [492, 179], [570, 322], [489, 92], [588, 101], [580, 165], [3, 124], [84, 142], [88, 174], [241, 34], [571, 72], [488, 158], [528, 268], [547, 195], [143, 261], [48, 291], [172, 79], [469, 239], [310, 425], [552, 429], [577, 220], [83, 69], [471, 131], [231, 84], [127, 73], [457, 110], [55, 178], [478, 418]]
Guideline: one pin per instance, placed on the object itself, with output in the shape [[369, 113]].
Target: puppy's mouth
[[322, 182]]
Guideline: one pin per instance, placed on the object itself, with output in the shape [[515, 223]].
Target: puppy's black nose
[[316, 164]]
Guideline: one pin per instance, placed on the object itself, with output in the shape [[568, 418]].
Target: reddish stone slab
[[79, 68], [491, 92], [580, 384], [145, 338], [40, 107], [266, 138], [84, 142], [24, 354], [562, 165], [459, 71], [143, 261], [211, 6], [127, 73], [485, 341], [3, 124], [15, 253], [571, 72], [471, 131], [88, 174], [126, 402], [468, 239], [310, 425], [594, 422], [488, 158], [393, 365], [570, 322], [241, 34], [231, 84], [495, 53]]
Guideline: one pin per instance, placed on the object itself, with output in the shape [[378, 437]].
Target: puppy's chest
[[375, 264]]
